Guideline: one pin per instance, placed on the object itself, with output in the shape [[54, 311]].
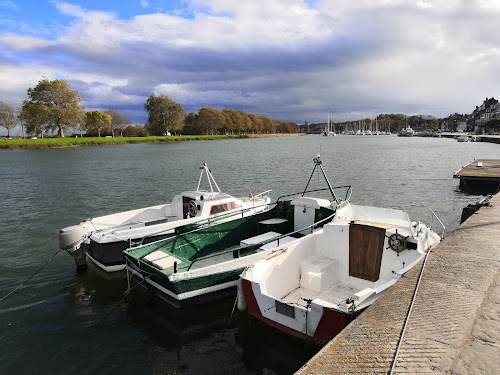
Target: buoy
[[241, 304]]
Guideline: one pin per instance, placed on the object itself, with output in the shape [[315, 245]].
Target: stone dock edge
[[454, 325]]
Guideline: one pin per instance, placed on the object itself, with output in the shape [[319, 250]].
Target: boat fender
[[241, 304]]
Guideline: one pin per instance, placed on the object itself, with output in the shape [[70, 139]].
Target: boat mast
[[209, 177], [317, 163]]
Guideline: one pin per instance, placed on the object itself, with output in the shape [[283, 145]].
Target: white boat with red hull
[[313, 287]]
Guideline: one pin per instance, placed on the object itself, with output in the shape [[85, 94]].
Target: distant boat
[[407, 131], [103, 239], [376, 132], [329, 128]]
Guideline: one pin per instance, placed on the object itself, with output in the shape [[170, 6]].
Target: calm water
[[63, 322]]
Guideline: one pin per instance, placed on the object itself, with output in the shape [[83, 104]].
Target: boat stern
[[73, 240]]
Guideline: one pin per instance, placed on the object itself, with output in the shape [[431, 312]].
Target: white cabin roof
[[311, 202]]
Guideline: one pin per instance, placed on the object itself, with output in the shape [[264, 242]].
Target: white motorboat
[[104, 238], [314, 286], [407, 132]]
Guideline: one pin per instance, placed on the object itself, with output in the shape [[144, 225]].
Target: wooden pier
[[480, 173], [442, 318]]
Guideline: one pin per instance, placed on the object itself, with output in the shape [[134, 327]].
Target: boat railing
[[263, 194], [433, 217], [200, 224], [347, 197], [241, 249]]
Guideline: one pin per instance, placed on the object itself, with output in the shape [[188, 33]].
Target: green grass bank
[[41, 143]]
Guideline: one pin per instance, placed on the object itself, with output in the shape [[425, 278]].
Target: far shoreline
[[44, 143]]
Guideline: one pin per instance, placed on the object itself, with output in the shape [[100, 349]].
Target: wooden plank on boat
[[366, 244], [374, 224], [162, 260]]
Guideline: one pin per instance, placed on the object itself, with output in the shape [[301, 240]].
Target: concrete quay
[[479, 137], [454, 323]]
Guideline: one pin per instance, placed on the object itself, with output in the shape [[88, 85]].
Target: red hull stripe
[[332, 322]]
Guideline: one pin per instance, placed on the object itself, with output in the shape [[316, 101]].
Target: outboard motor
[[71, 239]]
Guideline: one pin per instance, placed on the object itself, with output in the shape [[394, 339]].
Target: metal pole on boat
[[210, 179], [213, 179], [201, 175], [317, 163]]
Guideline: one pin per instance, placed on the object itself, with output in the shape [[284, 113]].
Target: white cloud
[[22, 43], [144, 4], [9, 5], [286, 57]]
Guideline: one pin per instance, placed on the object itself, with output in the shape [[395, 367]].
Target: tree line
[[53, 107]]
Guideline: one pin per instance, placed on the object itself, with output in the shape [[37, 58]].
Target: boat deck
[[336, 294]]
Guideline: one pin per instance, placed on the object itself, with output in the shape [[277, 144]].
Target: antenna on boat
[[209, 177], [317, 163]]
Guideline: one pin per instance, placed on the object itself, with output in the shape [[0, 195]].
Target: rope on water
[[229, 321], [29, 278]]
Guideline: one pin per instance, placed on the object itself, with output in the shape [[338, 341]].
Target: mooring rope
[[229, 321], [29, 278], [407, 318]]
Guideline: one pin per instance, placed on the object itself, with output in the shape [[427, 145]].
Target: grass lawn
[[19, 143]]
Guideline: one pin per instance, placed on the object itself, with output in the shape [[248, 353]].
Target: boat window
[[218, 208]]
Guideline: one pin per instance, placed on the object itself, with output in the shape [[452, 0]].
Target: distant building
[[454, 122], [484, 113]]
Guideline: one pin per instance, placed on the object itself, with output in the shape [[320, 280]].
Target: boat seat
[[267, 236], [162, 260], [274, 220], [318, 273]]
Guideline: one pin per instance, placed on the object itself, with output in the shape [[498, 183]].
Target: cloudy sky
[[293, 60]]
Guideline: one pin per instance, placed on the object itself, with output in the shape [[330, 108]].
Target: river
[[67, 323]]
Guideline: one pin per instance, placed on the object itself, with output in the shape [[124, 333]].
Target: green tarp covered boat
[[202, 263]]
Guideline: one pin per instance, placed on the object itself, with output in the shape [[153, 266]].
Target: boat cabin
[[206, 204]]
